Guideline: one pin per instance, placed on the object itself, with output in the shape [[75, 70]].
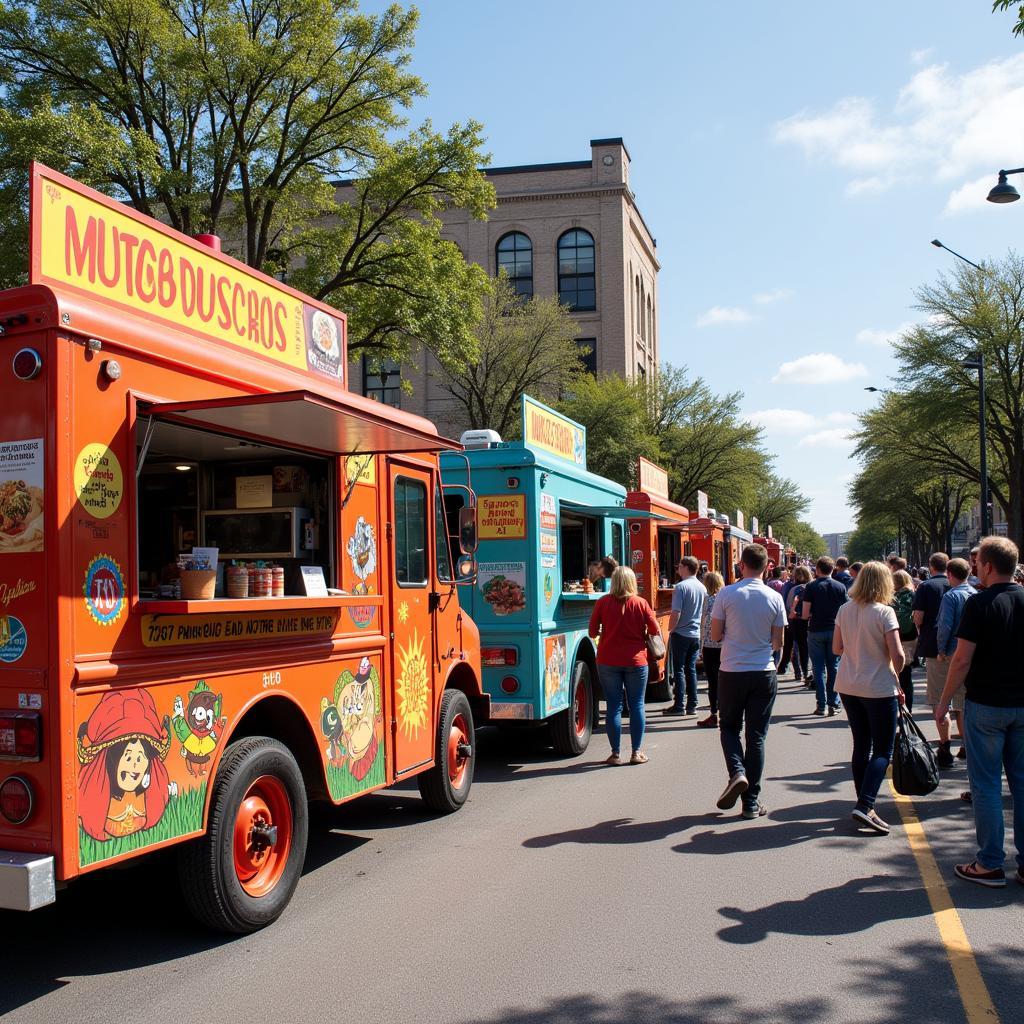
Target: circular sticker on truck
[[104, 590], [13, 638], [99, 482]]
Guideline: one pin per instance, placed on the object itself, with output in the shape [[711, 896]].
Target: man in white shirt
[[749, 618]]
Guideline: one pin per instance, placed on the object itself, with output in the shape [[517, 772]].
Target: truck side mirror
[[467, 530]]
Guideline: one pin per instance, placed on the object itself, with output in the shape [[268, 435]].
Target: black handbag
[[915, 771]]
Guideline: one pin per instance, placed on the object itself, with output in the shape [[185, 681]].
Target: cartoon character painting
[[556, 683], [123, 786], [362, 552], [196, 727], [350, 723]]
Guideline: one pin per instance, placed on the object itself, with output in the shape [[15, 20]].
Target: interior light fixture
[[183, 468]]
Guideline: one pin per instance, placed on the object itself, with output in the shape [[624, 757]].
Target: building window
[[382, 381], [641, 372], [514, 255], [576, 270], [588, 354]]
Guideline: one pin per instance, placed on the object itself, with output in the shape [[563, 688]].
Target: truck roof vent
[[480, 438]]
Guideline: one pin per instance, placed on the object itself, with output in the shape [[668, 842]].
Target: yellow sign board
[[502, 516], [362, 468], [653, 479], [552, 432], [175, 630], [104, 249]]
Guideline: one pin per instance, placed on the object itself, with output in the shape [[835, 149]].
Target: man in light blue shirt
[[688, 599], [749, 619], [951, 610]]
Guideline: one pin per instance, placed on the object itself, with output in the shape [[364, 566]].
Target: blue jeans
[[745, 698], [684, 671], [872, 721], [632, 679], [995, 740], [826, 664]]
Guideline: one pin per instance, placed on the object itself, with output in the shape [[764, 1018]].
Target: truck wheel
[[445, 787], [571, 729], [240, 875]]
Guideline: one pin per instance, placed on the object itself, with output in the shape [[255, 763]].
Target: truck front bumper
[[27, 881]]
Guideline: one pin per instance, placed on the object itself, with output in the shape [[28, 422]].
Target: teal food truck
[[542, 519]]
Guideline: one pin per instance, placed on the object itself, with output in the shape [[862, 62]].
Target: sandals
[[613, 759], [639, 757]]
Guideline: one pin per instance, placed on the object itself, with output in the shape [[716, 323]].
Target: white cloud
[[971, 196], [718, 315], [920, 56], [818, 368], [882, 338], [775, 295], [834, 437], [783, 421], [943, 123]]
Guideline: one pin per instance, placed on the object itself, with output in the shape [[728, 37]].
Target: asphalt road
[[563, 892]]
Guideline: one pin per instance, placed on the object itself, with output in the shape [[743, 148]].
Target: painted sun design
[[403, 613], [413, 687]]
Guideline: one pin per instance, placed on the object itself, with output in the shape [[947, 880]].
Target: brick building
[[568, 229]]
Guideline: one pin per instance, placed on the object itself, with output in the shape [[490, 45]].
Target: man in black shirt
[[989, 661], [927, 600], [823, 597]]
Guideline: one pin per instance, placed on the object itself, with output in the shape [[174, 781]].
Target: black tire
[[439, 791], [206, 867], [567, 738]]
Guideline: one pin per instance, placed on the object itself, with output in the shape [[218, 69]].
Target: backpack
[[902, 604]]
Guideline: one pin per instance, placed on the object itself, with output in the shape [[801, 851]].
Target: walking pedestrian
[[822, 599], [798, 626], [903, 605], [973, 578], [623, 620], [841, 572], [989, 662], [927, 600], [867, 637], [688, 597], [787, 636], [748, 619], [950, 610], [711, 651]]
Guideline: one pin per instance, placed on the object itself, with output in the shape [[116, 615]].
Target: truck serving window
[[669, 554], [580, 543], [410, 533], [258, 505]]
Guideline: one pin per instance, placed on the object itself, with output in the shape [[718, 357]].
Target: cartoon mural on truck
[[197, 726], [352, 723]]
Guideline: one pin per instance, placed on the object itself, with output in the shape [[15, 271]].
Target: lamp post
[[976, 361], [940, 245], [1004, 192]]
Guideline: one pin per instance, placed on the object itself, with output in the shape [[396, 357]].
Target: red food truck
[[226, 583], [656, 545], [773, 547], [707, 537]]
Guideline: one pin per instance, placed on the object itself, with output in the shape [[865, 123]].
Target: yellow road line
[[973, 991]]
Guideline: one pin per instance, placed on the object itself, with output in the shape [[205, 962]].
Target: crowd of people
[[852, 634]]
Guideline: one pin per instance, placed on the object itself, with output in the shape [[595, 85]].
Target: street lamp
[[1003, 192], [976, 361], [871, 389], [940, 245]]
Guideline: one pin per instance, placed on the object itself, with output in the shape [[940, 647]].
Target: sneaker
[[944, 758], [967, 796], [737, 786], [974, 872], [870, 820], [673, 711], [820, 712], [961, 754], [711, 722], [832, 711], [690, 713], [809, 684], [753, 811]]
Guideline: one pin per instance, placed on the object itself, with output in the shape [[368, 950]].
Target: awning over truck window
[[299, 419], [610, 511]]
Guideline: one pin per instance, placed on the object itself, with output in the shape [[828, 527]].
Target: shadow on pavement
[[830, 778], [621, 830]]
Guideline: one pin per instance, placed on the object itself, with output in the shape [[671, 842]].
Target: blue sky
[[793, 160]]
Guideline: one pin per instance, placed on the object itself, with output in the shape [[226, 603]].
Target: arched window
[[642, 318], [576, 270], [639, 308], [514, 255], [650, 320]]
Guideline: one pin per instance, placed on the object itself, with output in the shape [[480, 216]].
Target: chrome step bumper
[[27, 881]]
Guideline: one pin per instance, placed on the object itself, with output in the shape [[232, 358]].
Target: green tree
[[806, 540], [523, 348], [237, 118], [871, 540], [1005, 5], [778, 501]]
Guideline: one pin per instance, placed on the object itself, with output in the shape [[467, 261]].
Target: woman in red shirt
[[623, 621]]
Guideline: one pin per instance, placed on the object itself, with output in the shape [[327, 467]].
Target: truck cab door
[[413, 611]]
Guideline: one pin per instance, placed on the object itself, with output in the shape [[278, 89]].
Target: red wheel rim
[[458, 760], [263, 835], [581, 708]]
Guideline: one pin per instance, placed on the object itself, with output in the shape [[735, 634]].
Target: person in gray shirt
[[688, 599]]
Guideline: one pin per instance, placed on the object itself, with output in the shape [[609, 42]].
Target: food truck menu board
[[107, 251], [653, 479], [551, 432]]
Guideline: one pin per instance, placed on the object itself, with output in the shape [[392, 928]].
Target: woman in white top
[[868, 638]]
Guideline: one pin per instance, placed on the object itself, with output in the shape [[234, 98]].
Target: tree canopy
[[238, 118]]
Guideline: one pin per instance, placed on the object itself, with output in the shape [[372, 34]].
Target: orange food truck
[[773, 547], [656, 546], [707, 537], [226, 583]]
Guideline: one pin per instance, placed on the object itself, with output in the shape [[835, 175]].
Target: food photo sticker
[[21, 496], [324, 342], [503, 586], [99, 482], [104, 590]]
